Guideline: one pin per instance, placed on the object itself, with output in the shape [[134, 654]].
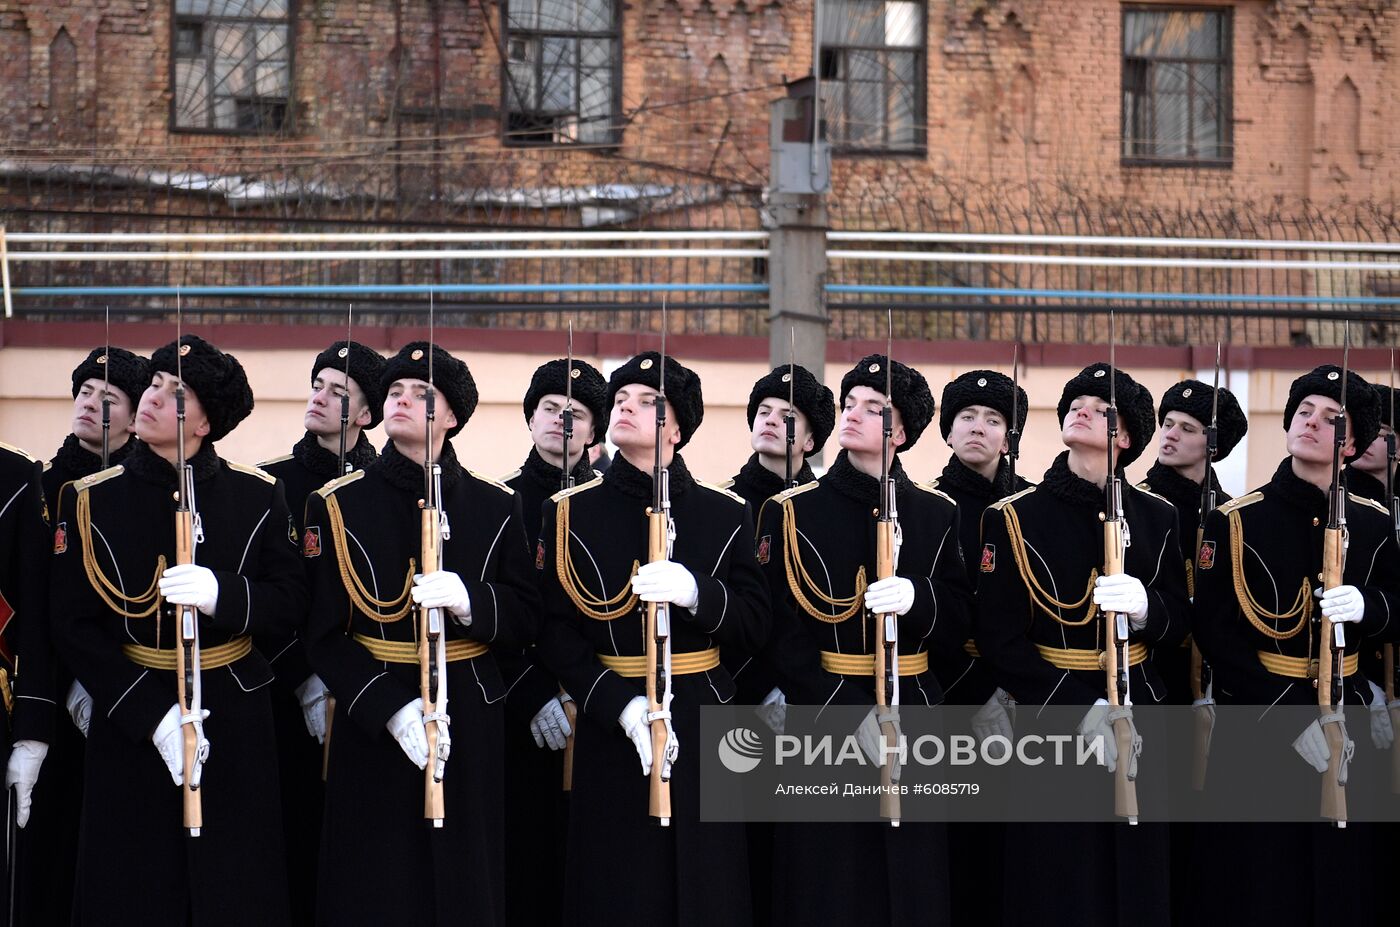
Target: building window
[[1176, 86], [561, 82], [873, 74], [231, 65]]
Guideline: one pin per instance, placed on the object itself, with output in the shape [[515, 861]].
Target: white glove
[[1123, 595], [1382, 733], [22, 772], [1311, 745], [170, 743], [893, 595], [1205, 714], [551, 726], [443, 589], [1098, 722], [406, 726], [634, 723], [313, 697], [666, 581], [1341, 603], [773, 711], [871, 737], [995, 717], [189, 584], [79, 705]]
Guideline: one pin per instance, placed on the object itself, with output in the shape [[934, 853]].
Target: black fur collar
[[627, 478], [1296, 491], [407, 475], [546, 475], [865, 489], [145, 464], [77, 461], [323, 463], [754, 473], [960, 476], [1062, 483]]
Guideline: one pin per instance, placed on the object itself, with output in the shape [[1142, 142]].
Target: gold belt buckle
[[1314, 667]]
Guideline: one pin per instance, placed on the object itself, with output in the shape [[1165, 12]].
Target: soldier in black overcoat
[[300, 699], [1257, 620], [381, 862], [1040, 602], [824, 599], [537, 725], [113, 594], [765, 475], [28, 700], [596, 578], [975, 417], [49, 849]]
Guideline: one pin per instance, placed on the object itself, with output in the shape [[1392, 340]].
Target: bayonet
[[344, 465], [1013, 432], [661, 536], [566, 480], [790, 416], [106, 390]]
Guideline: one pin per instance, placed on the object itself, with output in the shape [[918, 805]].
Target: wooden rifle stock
[[1125, 803], [885, 655], [1329, 679], [1203, 721], [658, 653], [429, 645], [326, 747], [570, 712], [187, 668]]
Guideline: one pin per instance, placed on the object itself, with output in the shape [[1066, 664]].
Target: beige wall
[[35, 408]]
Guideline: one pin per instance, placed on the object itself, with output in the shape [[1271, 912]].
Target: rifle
[[790, 417], [1390, 670], [661, 535], [432, 647], [1115, 532], [1200, 669], [1013, 433], [566, 481], [887, 541], [1332, 644], [343, 467], [189, 533], [106, 392]]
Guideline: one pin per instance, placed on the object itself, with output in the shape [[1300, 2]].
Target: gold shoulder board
[[933, 490], [1369, 502], [252, 471], [494, 482], [796, 490], [275, 460], [325, 491], [1240, 502], [20, 451], [511, 475], [1001, 503], [566, 493], [1142, 487], [724, 489], [101, 476]]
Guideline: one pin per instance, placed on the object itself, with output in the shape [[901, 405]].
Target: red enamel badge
[[1207, 558], [60, 537], [311, 542], [765, 548], [539, 554], [989, 558]]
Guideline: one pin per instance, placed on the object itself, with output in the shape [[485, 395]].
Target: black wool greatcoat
[[1087, 873], [622, 868], [1287, 874], [537, 809], [1174, 663], [306, 469], [380, 861], [966, 680], [136, 864], [824, 872]]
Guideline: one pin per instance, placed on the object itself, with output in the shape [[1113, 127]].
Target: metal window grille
[[873, 67], [231, 66], [561, 80], [1176, 86]]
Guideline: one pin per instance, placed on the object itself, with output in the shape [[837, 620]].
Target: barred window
[[231, 65], [873, 69], [1176, 85], [562, 72]]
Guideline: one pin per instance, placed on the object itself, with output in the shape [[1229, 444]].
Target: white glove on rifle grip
[[666, 581], [995, 717], [170, 743], [79, 705], [892, 595], [406, 727], [1098, 722], [190, 584], [1382, 733], [634, 724], [870, 735], [550, 725], [22, 771], [1341, 603], [1123, 595], [312, 695], [443, 589], [773, 711], [1311, 745]]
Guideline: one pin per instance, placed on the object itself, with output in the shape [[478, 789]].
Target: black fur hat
[[981, 388], [1363, 403], [216, 378], [130, 373], [366, 366], [451, 378], [1383, 396], [912, 397], [682, 388], [1135, 411], [589, 388], [1194, 398], [812, 398]]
